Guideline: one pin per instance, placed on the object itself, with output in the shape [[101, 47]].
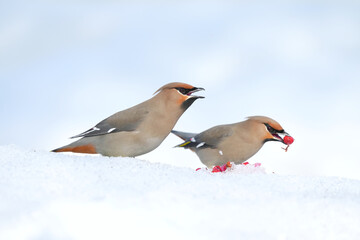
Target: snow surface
[[46, 195]]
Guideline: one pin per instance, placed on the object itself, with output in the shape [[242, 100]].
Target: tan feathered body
[[235, 142], [139, 129]]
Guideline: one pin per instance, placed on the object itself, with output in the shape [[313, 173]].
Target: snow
[[47, 195]]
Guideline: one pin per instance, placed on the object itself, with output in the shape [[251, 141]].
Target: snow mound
[[57, 196]]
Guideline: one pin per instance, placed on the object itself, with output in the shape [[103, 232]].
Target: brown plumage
[[235, 142], [139, 129]]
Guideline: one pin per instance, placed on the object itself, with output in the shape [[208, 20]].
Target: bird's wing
[[127, 120], [209, 138]]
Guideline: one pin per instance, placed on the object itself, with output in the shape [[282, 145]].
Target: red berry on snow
[[223, 167], [216, 169]]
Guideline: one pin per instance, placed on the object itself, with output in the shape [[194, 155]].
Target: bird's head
[[181, 93], [273, 131]]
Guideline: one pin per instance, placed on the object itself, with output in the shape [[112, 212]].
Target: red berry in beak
[[288, 140]]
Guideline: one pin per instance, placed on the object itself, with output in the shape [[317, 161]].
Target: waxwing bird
[[139, 129], [235, 142]]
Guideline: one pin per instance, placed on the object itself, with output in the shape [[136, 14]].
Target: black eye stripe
[[273, 130], [183, 90], [270, 129]]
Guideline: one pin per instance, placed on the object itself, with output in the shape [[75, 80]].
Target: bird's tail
[[184, 136], [77, 148]]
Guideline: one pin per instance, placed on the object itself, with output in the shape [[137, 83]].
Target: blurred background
[[66, 65]]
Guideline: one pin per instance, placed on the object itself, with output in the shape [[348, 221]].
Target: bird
[[139, 129], [236, 142]]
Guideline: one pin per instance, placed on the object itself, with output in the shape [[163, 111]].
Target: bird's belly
[[218, 156], [210, 157], [127, 144]]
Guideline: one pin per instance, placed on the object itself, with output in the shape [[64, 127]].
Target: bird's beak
[[194, 90], [280, 136], [190, 99]]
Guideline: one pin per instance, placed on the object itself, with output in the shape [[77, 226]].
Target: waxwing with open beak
[[139, 129]]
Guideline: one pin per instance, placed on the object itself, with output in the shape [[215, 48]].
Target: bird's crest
[[174, 85]]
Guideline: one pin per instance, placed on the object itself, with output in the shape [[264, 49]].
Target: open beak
[[280, 136], [194, 90]]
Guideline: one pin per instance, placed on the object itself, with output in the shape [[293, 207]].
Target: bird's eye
[[270, 129], [182, 90]]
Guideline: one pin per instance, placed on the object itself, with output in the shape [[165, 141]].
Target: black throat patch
[[185, 105]]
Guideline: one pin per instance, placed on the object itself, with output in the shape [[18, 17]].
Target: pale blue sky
[[66, 65]]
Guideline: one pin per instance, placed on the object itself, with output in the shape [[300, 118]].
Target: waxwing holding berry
[[235, 142]]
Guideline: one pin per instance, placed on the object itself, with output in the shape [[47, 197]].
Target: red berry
[[216, 169], [288, 140], [223, 167]]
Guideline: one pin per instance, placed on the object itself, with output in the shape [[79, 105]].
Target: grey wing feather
[[100, 129], [213, 136], [207, 139], [127, 120]]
